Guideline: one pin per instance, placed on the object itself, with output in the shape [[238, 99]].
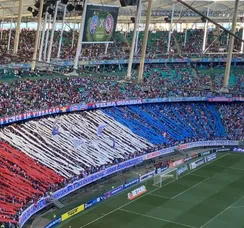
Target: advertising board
[[54, 223], [241, 150], [210, 157], [190, 157], [182, 169], [72, 212], [137, 192], [206, 153], [196, 163], [223, 150], [160, 170], [176, 163], [93, 202]]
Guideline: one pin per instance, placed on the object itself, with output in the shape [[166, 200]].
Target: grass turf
[[211, 196]]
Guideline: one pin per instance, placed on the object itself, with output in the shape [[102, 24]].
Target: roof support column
[[33, 65], [79, 42], [52, 33], [205, 33], [242, 44], [132, 48], [106, 48], [62, 31], [73, 34], [170, 29], [2, 26], [47, 38], [43, 36], [231, 45], [185, 33], [137, 27], [16, 39], [144, 45], [10, 29], [73, 38]]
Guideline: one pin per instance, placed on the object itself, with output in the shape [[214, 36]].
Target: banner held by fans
[[100, 23], [100, 129]]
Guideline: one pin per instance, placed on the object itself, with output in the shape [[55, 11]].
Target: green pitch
[[211, 196]]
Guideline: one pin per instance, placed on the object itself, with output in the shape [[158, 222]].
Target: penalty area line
[[227, 208], [156, 218], [190, 188]]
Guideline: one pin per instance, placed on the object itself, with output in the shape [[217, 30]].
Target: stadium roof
[[220, 10]]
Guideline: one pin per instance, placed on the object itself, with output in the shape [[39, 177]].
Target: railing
[[167, 59], [43, 202]]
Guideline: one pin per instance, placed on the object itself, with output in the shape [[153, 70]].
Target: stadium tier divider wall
[[70, 63], [180, 166], [43, 202]]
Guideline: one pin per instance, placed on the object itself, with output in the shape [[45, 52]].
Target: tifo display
[[112, 118]]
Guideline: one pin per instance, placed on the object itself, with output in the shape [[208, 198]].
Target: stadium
[[121, 114]]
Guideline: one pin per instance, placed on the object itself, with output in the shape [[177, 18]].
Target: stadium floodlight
[[35, 13], [30, 9], [128, 3], [70, 7], [64, 2], [50, 11], [167, 19], [37, 5], [133, 20], [203, 19], [78, 7]]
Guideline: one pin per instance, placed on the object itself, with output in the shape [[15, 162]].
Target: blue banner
[[54, 223], [131, 183], [182, 169], [147, 176], [210, 157], [89, 106], [93, 202], [241, 150]]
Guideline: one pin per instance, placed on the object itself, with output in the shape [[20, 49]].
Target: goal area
[[162, 177]]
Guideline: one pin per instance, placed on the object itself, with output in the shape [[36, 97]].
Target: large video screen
[[100, 23]]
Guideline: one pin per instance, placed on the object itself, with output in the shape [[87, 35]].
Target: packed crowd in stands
[[26, 95], [157, 45]]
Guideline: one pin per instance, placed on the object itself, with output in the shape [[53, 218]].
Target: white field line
[[236, 207], [190, 188], [220, 213], [227, 167], [155, 218], [237, 154], [116, 209], [164, 197], [198, 175]]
